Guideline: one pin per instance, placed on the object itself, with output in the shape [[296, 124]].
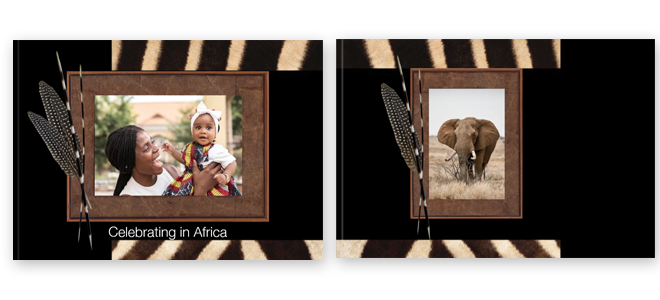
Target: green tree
[[108, 117], [181, 130], [237, 115], [237, 129]]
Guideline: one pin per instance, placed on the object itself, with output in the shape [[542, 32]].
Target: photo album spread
[[445, 148]]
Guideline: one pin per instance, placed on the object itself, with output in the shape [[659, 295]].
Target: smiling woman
[[130, 150]]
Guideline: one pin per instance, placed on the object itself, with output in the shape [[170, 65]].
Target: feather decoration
[[406, 138], [76, 139], [421, 111], [62, 141], [397, 112], [56, 144], [56, 112], [63, 155], [421, 159], [79, 152]]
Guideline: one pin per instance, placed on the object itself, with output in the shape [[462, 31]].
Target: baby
[[204, 126]]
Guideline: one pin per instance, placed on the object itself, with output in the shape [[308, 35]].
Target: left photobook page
[[168, 150]]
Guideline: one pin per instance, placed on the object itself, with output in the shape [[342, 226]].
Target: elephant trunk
[[463, 168], [466, 160]]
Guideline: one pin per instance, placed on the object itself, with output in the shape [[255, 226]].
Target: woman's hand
[[204, 180]]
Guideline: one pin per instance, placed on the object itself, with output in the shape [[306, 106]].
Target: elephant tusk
[[474, 155], [449, 158]]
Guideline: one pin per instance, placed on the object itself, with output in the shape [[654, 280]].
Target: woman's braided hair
[[120, 151]]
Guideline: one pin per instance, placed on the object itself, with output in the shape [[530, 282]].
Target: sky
[[445, 104]]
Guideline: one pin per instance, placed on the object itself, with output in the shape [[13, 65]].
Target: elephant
[[473, 141]]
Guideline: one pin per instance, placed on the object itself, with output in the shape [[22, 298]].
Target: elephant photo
[[473, 141]]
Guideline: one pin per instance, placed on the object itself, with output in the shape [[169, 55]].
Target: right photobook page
[[482, 148]]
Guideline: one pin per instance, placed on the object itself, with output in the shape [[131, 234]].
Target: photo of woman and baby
[[189, 152]]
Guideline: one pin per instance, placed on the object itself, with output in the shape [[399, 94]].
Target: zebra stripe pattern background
[[235, 55], [489, 53], [448, 249], [217, 250]]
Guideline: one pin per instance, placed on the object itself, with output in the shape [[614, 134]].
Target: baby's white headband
[[201, 109]]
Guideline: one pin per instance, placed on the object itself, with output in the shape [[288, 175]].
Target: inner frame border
[[73, 91], [414, 184]]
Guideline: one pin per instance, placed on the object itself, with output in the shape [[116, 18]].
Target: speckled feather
[[397, 113], [56, 144], [406, 137], [58, 115]]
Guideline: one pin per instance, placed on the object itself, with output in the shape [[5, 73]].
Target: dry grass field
[[444, 186]]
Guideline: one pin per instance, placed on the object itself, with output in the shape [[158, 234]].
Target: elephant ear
[[488, 134], [446, 134]]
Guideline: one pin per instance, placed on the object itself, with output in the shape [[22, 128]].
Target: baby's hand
[[167, 147], [220, 178]]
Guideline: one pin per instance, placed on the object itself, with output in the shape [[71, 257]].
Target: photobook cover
[[473, 148], [168, 150]]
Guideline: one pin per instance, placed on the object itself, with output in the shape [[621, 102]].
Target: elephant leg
[[479, 167]]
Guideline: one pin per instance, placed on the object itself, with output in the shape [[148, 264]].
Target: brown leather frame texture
[[252, 206], [509, 79]]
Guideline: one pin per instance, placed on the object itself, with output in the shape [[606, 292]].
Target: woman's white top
[[135, 189]]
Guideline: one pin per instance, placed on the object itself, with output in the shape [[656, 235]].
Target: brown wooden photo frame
[[252, 206], [510, 80]]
